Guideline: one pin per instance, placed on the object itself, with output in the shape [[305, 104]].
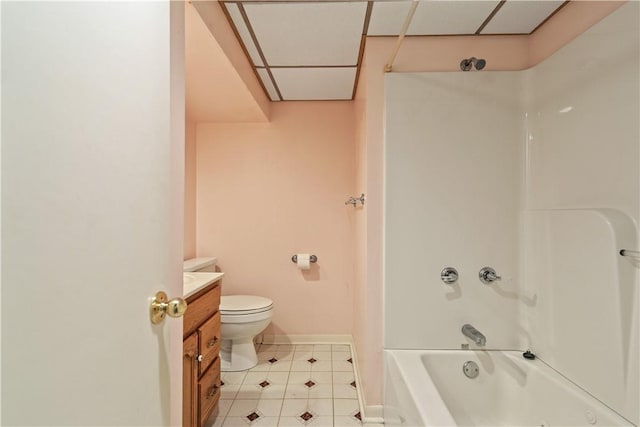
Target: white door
[[92, 169]]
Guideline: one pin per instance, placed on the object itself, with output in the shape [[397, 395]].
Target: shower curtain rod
[[389, 65]]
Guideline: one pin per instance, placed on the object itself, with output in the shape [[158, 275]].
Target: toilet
[[242, 318]]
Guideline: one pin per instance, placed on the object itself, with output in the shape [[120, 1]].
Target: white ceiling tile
[[236, 16], [450, 17], [268, 84], [311, 33], [315, 83], [520, 17], [387, 17]]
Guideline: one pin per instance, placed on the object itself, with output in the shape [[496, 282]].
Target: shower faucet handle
[[487, 275], [449, 275]]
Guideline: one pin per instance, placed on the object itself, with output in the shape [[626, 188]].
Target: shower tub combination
[[430, 388]]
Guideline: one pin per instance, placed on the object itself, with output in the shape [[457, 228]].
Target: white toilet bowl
[[242, 317]]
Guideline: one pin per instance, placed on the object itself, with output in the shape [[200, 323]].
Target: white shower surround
[[472, 159]]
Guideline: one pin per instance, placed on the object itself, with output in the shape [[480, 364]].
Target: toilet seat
[[244, 306]]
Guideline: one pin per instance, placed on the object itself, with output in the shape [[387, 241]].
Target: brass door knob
[[161, 307]]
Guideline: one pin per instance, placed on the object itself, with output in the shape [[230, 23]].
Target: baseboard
[[374, 416], [306, 339]]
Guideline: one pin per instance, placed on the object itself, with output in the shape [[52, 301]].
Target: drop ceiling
[[312, 50]]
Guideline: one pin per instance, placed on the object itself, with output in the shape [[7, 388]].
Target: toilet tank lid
[[195, 264], [243, 302]]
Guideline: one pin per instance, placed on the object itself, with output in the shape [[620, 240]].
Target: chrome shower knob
[[487, 275], [449, 275]]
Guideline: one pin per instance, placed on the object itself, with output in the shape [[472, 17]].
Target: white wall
[[92, 198], [454, 168], [582, 153], [454, 145]]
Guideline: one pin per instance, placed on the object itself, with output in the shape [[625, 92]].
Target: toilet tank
[[199, 264]]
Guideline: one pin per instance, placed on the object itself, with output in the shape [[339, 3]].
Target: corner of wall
[[570, 21]]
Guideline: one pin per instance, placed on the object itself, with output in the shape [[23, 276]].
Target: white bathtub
[[429, 388]]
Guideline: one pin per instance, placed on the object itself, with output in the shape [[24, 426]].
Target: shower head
[[467, 64]]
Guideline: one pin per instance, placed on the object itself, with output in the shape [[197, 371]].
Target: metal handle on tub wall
[[630, 253]]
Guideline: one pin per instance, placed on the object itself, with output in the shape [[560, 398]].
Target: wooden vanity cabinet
[[201, 361]]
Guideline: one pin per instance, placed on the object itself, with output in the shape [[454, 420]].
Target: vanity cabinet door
[[209, 390], [190, 381], [209, 334]]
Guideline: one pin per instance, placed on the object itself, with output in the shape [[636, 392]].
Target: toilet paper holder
[[312, 258]]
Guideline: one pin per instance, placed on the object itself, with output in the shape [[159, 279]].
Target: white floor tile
[[255, 378], [321, 366], [345, 407], [321, 391], [262, 365], [273, 392], [223, 407], [229, 391], [344, 421], [331, 399], [249, 392], [302, 356], [290, 422], [296, 392], [281, 366], [343, 377], [267, 408], [233, 377], [293, 407], [343, 391], [322, 355], [320, 421], [342, 366], [341, 355], [300, 366], [304, 347], [321, 406], [322, 377]]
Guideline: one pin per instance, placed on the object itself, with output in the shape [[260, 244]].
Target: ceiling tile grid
[[312, 50]]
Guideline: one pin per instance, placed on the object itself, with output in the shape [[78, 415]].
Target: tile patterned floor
[[292, 385]]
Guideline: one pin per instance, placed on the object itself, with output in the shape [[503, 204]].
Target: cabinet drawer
[[209, 341], [201, 309], [209, 391]]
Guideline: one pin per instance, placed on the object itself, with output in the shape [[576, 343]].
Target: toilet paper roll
[[304, 261]]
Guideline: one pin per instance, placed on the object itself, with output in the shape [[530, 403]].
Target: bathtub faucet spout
[[475, 335]]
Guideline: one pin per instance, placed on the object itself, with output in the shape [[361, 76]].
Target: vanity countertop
[[193, 282]]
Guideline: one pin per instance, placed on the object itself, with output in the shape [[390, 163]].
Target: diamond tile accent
[[357, 416], [309, 383], [272, 360], [350, 360], [352, 384], [312, 360], [252, 416], [264, 384], [221, 383], [306, 416]]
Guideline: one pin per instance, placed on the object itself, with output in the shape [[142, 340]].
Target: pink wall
[[190, 190], [266, 191]]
